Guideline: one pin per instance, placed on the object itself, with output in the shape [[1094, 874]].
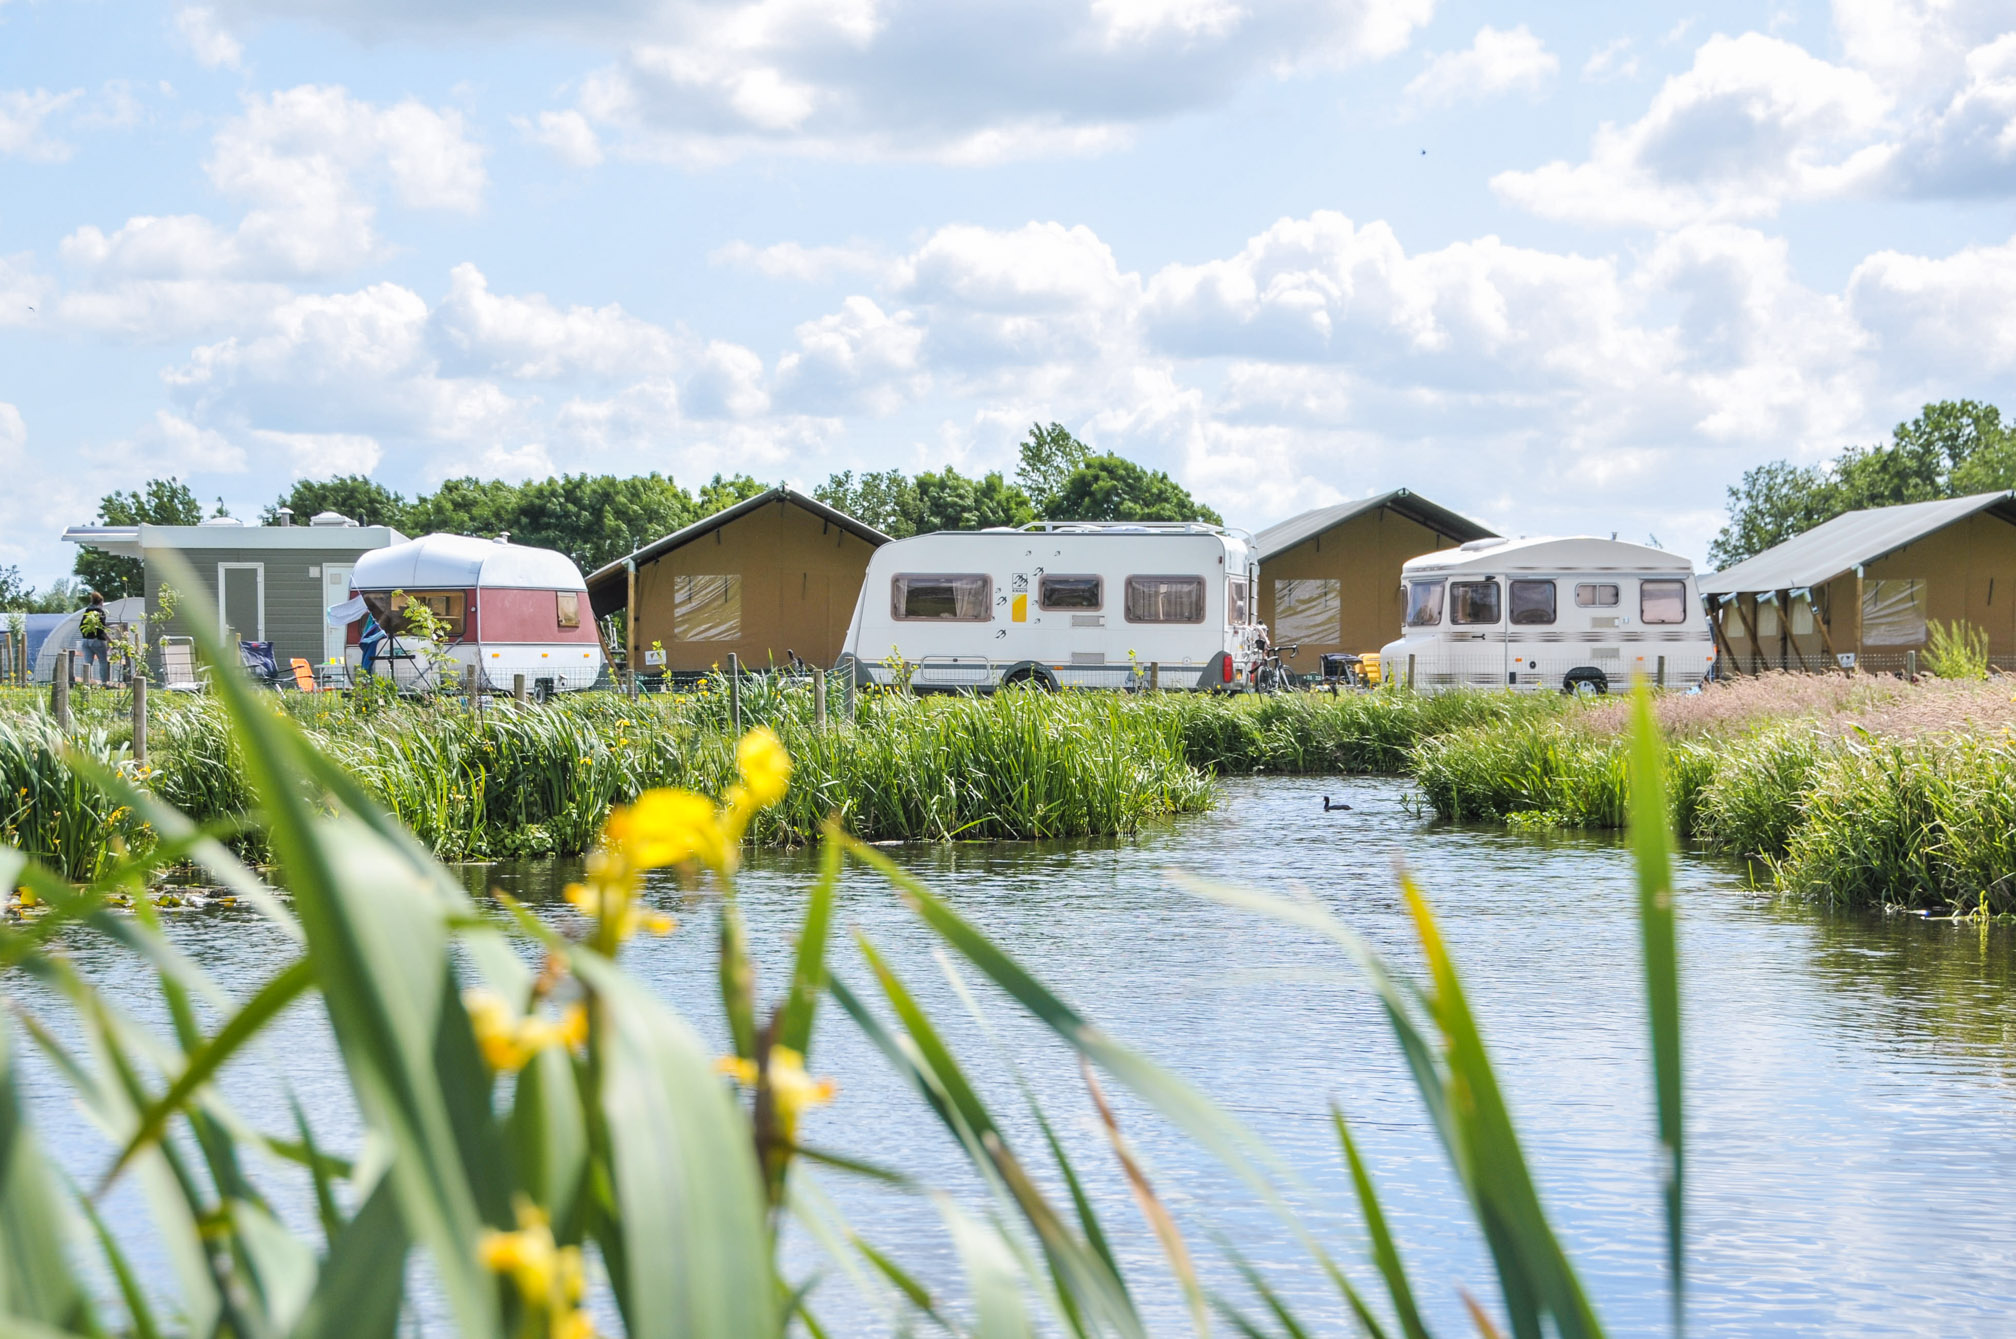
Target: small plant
[[1956, 650]]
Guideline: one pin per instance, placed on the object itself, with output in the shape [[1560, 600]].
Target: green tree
[[14, 592], [597, 518], [885, 499], [159, 502], [465, 506], [1113, 488], [1953, 448], [1049, 458], [719, 493], [363, 500], [948, 500]]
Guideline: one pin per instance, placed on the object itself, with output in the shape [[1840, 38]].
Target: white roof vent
[[1479, 545], [223, 520], [330, 518]]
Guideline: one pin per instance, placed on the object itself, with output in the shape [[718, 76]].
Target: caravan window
[[1662, 602], [567, 608], [1473, 602], [1596, 595], [1170, 599], [1070, 592], [1424, 604], [1235, 603], [1532, 602], [958, 598], [450, 606]]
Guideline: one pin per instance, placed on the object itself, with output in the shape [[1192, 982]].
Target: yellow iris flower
[[549, 1277], [508, 1041], [791, 1088]]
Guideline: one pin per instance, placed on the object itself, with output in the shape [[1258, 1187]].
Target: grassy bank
[[1866, 792], [538, 780]]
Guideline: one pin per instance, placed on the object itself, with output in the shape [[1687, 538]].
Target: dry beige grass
[[1836, 703]]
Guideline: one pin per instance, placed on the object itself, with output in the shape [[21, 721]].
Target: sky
[[1565, 268]]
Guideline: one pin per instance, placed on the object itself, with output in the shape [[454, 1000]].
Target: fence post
[[819, 699], [139, 719], [735, 693], [59, 692], [1154, 676], [1662, 672], [1410, 671], [469, 684], [1911, 664], [518, 688]]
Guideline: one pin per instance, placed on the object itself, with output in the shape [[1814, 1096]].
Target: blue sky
[[1644, 249]]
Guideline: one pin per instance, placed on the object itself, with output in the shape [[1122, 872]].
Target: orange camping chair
[[304, 675]]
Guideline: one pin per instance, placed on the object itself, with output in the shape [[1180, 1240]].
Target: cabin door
[[335, 590], [241, 601]]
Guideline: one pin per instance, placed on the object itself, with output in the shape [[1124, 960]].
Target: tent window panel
[[1893, 612], [1532, 603], [936, 598], [1767, 618], [567, 608], [1662, 602], [706, 608], [1801, 617], [1165, 599], [1308, 609]]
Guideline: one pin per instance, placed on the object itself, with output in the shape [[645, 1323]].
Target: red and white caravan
[[505, 608]]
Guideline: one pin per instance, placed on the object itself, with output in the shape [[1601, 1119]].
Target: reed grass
[[517, 1119]]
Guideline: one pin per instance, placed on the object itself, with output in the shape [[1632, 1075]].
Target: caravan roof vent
[[223, 520], [330, 518], [1479, 545]]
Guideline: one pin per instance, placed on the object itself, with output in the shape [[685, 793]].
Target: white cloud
[[212, 46], [858, 357], [1612, 60], [529, 339], [807, 264], [1940, 316], [315, 455], [22, 115], [1496, 62], [1756, 120], [567, 134]]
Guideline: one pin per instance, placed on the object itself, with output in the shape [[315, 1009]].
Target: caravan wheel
[[1585, 682], [1016, 678]]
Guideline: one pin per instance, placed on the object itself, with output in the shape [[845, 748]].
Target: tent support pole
[[1750, 631], [630, 618], [1786, 641], [1722, 641]]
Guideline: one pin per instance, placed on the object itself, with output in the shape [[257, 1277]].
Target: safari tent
[[1862, 589], [1330, 578], [774, 576]]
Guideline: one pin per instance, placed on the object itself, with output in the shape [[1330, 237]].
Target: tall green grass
[[503, 1141]]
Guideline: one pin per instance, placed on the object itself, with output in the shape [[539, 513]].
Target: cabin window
[[567, 608], [1054, 592], [1424, 603], [1165, 599], [706, 607], [1596, 595], [1663, 602], [1235, 602], [1893, 612], [450, 606], [1473, 602], [1532, 603], [956, 598], [1308, 609]]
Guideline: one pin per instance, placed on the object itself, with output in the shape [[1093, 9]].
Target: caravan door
[[1479, 648]]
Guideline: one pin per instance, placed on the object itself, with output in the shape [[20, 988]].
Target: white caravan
[[1572, 614], [1060, 605]]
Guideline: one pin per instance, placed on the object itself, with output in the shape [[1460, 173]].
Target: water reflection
[[1850, 1113]]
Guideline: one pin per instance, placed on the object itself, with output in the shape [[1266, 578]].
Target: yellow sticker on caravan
[[1021, 609]]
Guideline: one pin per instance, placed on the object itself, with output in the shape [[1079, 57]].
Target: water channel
[[1851, 1110]]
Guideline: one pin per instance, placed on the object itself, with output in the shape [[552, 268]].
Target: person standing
[[91, 631]]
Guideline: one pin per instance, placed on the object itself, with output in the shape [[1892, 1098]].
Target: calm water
[[1852, 1118]]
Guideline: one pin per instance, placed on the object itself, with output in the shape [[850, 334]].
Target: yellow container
[[1368, 665]]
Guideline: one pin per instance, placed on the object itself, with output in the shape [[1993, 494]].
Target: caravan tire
[[1029, 675], [1587, 679]]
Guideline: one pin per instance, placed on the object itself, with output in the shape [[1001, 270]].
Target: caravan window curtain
[[956, 598], [1165, 599], [706, 608], [1893, 612], [1308, 609]]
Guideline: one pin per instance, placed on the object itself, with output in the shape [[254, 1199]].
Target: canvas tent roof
[[1848, 541], [601, 577], [1287, 534], [460, 562]]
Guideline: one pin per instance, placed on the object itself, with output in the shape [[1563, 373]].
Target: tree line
[[596, 519], [1952, 449]]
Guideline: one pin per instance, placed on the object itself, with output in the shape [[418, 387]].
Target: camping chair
[[257, 658], [304, 675], [178, 666]]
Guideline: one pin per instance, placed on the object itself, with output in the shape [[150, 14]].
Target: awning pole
[[630, 618]]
